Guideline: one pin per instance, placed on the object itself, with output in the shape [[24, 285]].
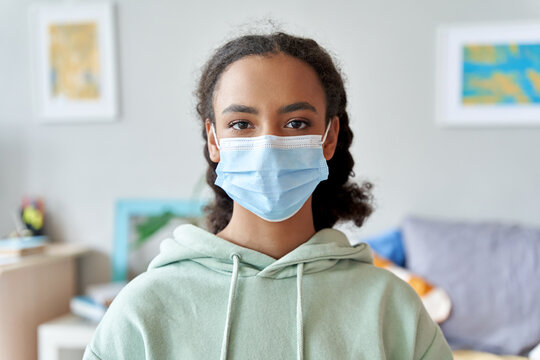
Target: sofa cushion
[[491, 272]]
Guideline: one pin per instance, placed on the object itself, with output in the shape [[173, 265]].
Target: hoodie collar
[[322, 251]]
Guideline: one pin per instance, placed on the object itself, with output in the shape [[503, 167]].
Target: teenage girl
[[270, 278]]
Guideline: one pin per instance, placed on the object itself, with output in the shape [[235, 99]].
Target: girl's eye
[[297, 124], [240, 125]]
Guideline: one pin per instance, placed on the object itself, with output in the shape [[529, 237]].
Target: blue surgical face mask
[[271, 176]]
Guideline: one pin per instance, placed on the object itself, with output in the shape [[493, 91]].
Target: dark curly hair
[[334, 199]]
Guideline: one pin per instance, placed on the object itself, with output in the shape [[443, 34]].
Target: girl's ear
[[211, 141], [329, 146]]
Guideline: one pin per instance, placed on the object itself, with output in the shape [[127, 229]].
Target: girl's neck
[[274, 239]]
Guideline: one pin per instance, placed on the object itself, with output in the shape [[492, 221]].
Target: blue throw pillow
[[388, 245]]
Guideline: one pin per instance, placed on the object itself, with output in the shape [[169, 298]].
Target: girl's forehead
[[269, 78]]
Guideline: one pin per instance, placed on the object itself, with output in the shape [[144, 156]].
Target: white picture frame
[[74, 62], [466, 95]]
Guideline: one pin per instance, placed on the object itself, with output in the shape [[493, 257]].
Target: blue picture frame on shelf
[[148, 217]]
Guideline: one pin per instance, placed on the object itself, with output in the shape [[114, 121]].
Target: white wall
[[387, 51]]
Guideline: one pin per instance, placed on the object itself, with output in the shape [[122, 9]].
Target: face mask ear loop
[[215, 136], [326, 132]]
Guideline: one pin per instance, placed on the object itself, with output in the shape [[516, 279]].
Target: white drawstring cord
[[232, 296], [299, 320]]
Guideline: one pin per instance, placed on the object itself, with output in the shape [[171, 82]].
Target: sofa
[[490, 271]]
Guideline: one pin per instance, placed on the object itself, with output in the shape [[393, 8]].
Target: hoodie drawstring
[[299, 321], [232, 295]]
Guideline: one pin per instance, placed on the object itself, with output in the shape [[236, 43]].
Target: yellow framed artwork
[[74, 63]]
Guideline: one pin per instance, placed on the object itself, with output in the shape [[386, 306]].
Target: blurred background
[[153, 149], [387, 52]]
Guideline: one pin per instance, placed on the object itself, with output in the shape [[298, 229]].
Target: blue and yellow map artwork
[[501, 74]]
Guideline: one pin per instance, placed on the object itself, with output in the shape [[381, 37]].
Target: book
[[104, 293], [96, 301], [87, 308], [22, 252], [21, 246]]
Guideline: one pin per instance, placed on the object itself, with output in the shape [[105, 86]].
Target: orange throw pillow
[[435, 299]]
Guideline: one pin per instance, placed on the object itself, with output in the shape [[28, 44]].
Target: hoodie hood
[[322, 251]]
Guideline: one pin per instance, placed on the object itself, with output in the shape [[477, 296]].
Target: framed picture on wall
[[140, 227], [488, 75], [74, 63]]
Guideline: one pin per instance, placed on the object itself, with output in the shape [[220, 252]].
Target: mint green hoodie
[[206, 298]]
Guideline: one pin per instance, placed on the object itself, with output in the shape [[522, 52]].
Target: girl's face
[[270, 95]]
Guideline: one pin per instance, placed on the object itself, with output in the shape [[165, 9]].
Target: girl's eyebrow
[[303, 105], [297, 106], [240, 108]]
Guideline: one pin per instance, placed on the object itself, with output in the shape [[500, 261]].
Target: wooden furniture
[[68, 332], [34, 289]]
